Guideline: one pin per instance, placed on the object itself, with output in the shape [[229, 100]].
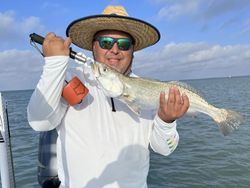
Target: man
[[98, 146]]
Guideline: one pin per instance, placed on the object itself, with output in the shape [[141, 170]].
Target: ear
[[93, 46], [93, 49], [132, 59]]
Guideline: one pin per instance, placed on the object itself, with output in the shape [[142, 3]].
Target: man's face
[[116, 58]]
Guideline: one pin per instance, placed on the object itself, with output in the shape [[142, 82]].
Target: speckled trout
[[141, 93]]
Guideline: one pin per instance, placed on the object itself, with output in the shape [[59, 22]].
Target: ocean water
[[204, 158]]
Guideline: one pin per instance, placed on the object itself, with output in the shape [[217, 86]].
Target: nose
[[115, 49]]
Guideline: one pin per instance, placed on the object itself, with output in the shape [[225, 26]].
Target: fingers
[[171, 96], [174, 97], [180, 102], [162, 98], [50, 35], [54, 45], [172, 105], [185, 105]]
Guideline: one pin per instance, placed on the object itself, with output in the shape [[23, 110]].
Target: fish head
[[108, 79]]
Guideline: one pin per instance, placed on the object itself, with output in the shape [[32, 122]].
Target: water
[[24, 140], [204, 157]]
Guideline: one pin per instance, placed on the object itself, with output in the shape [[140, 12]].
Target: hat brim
[[82, 31]]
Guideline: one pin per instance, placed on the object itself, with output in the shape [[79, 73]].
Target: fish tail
[[228, 121]]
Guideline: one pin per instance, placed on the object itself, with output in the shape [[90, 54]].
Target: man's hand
[[174, 106], [54, 45]]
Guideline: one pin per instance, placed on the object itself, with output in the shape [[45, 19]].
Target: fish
[[143, 93]]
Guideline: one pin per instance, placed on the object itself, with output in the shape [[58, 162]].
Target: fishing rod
[[80, 58]]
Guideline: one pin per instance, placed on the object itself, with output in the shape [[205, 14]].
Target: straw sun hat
[[82, 31]]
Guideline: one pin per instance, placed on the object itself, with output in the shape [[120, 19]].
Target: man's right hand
[[56, 46]]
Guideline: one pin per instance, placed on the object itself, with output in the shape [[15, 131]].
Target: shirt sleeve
[[164, 137], [46, 107]]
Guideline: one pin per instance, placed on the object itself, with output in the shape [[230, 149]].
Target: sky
[[199, 38]]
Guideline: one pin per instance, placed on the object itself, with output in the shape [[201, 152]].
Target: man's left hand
[[172, 106]]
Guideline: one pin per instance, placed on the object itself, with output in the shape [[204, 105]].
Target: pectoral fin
[[136, 109], [130, 101]]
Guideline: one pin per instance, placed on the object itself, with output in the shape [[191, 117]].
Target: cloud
[[20, 69], [180, 8], [216, 8], [206, 10], [177, 61], [49, 5], [246, 27], [230, 23], [55, 10], [222, 14], [14, 30]]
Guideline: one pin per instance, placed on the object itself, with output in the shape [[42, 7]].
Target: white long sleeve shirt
[[96, 147]]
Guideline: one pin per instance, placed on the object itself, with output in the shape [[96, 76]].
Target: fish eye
[[105, 69]]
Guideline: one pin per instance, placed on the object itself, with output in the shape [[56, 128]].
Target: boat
[[47, 159], [6, 159], [47, 173]]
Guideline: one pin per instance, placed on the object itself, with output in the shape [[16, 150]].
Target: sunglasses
[[107, 43]]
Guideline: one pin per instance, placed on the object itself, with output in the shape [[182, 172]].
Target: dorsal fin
[[186, 86]]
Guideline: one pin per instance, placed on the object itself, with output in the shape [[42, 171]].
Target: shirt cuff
[[56, 59], [162, 124]]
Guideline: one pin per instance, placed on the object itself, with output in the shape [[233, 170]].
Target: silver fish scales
[[141, 93]]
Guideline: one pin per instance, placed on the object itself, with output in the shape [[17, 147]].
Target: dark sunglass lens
[[124, 44], [106, 42]]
